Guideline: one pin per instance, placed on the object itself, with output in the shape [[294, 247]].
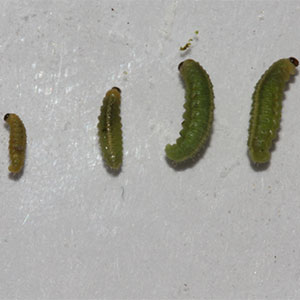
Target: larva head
[[10, 117], [116, 88], [6, 117], [180, 65], [287, 67], [115, 91], [187, 62], [294, 61]]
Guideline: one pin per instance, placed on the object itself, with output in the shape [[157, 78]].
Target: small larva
[[198, 116], [266, 108], [17, 142], [110, 129]]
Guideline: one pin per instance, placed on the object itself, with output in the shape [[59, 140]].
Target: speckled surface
[[218, 229]]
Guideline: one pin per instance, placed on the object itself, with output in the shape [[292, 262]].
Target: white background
[[215, 229]]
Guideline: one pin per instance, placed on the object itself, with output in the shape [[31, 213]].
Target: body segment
[[17, 142], [110, 129], [198, 115], [266, 108]]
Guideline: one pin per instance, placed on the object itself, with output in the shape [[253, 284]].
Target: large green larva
[[266, 108], [198, 116], [110, 129], [17, 142]]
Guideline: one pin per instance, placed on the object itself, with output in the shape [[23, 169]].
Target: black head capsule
[[6, 117], [294, 61], [180, 65], [116, 88]]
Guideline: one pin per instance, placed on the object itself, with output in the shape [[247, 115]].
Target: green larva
[[110, 129], [266, 108], [17, 142], [199, 111]]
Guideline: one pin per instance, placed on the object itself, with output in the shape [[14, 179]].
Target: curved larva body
[[110, 129], [17, 142], [198, 116], [266, 108]]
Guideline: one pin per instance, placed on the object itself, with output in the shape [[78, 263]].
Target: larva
[[266, 108], [198, 116], [17, 142], [110, 129]]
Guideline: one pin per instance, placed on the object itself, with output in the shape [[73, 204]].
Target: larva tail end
[[168, 151], [6, 117], [14, 169], [294, 61], [114, 166], [259, 157], [173, 154]]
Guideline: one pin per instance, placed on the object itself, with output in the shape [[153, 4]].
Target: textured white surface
[[219, 229]]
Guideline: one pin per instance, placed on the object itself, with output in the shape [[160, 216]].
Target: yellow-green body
[[266, 108], [110, 129], [17, 142], [198, 116]]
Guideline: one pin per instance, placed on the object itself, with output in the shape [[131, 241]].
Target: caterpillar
[[17, 142], [110, 129], [198, 116], [266, 108]]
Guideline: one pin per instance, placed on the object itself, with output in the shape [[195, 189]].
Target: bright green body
[[110, 129], [198, 116], [266, 109]]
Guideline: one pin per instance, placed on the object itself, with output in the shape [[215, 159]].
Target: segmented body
[[17, 142], [110, 129], [198, 116], [266, 108]]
